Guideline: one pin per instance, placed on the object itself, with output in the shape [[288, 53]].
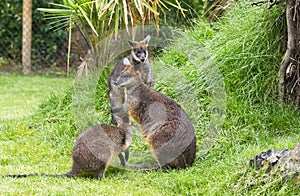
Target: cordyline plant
[[100, 18]]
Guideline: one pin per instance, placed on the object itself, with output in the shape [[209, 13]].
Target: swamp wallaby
[[138, 58], [95, 149], [164, 124]]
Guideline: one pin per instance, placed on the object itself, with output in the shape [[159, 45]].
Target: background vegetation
[[246, 48], [48, 47]]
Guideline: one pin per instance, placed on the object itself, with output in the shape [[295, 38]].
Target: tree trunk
[[26, 36], [289, 73]]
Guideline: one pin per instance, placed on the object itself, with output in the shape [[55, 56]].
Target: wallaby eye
[[138, 52]]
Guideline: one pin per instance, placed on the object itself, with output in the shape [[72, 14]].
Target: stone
[[285, 160]]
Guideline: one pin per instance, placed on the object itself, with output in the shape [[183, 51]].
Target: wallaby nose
[[115, 83]]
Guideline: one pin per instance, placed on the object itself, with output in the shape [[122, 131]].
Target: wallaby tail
[[35, 174], [20, 175], [57, 175]]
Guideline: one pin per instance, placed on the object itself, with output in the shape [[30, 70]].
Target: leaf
[[125, 14], [88, 20], [178, 6], [117, 19], [150, 8], [112, 14], [138, 5], [103, 10], [104, 16], [61, 5], [65, 12]]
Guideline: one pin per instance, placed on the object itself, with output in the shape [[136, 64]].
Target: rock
[[291, 160], [286, 160]]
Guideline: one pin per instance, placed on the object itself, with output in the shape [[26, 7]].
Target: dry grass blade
[[81, 68], [112, 14], [125, 14], [104, 10], [215, 9], [138, 5], [131, 15]]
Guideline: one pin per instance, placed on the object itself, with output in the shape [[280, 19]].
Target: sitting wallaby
[[95, 149], [138, 58], [164, 124]]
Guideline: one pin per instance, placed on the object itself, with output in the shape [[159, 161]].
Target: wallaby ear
[[147, 39], [126, 61], [131, 43]]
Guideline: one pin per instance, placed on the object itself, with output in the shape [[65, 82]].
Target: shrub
[[48, 46]]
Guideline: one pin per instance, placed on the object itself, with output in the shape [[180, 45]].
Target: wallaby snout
[[142, 55], [143, 59]]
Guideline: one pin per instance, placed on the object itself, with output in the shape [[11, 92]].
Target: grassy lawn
[[47, 149], [38, 128], [20, 95]]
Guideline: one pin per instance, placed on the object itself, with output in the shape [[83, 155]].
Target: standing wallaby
[[95, 149], [164, 124], [138, 58]]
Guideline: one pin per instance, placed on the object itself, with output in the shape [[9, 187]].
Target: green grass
[[224, 76], [20, 95]]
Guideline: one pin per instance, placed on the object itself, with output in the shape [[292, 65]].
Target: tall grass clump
[[248, 50], [54, 120], [246, 47]]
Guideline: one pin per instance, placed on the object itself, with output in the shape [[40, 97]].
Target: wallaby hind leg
[[100, 173], [122, 160], [126, 152]]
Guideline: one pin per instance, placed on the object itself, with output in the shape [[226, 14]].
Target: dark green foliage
[[193, 9], [10, 29], [101, 96], [48, 47]]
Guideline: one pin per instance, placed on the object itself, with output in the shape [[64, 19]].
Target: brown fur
[[164, 124], [95, 149], [138, 58]]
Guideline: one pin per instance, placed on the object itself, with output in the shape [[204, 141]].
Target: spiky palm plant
[[97, 19]]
